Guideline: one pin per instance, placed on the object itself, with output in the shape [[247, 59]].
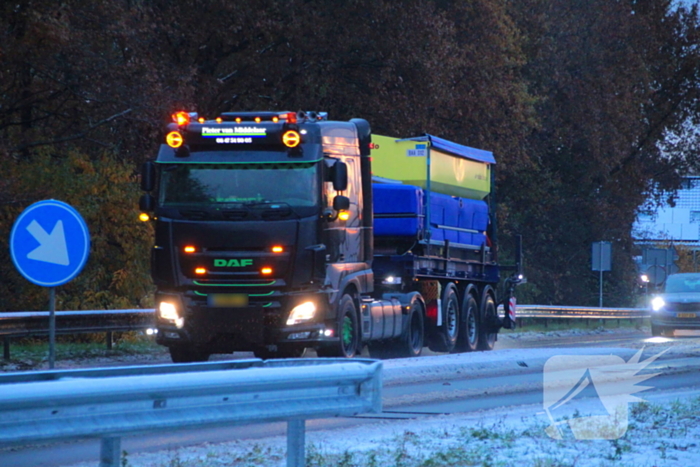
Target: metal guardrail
[[36, 323], [553, 311], [111, 403]]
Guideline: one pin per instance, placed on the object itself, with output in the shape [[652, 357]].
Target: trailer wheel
[[182, 354], [488, 329], [445, 336], [468, 339], [347, 331]]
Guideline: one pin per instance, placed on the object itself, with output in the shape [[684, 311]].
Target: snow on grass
[[662, 434]]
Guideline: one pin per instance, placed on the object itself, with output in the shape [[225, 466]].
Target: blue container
[[398, 210]]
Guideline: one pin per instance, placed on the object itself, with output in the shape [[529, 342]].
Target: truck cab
[[260, 221]]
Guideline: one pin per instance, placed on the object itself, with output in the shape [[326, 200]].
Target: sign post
[[49, 245], [601, 261]]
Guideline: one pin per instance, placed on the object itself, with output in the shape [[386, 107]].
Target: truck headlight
[[168, 311], [657, 303], [301, 313]]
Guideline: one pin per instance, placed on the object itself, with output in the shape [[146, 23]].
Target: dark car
[[678, 307]]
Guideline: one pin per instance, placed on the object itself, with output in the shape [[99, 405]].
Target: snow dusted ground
[[665, 431]]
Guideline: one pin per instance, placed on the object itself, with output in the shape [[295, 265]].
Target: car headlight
[[657, 303], [301, 313], [168, 311]]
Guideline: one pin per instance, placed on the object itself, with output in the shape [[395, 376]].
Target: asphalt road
[[414, 400]]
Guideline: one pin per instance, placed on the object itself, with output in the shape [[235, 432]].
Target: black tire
[[488, 330], [182, 354], [444, 337], [410, 344], [347, 330], [468, 339]]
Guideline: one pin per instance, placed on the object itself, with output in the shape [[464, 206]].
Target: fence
[[111, 403]]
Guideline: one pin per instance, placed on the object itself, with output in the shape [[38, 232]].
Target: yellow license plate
[[227, 300], [685, 315]]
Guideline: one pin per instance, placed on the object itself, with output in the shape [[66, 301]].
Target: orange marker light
[[257, 119], [291, 117], [218, 119], [200, 271], [238, 119], [275, 119], [144, 217], [266, 271], [343, 215], [277, 249], [174, 139], [291, 139], [181, 118], [190, 249], [201, 120]]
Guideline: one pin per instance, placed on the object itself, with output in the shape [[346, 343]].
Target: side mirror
[[341, 203], [148, 176], [147, 203], [340, 176]]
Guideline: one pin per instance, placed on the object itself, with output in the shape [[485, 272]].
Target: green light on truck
[[232, 263]]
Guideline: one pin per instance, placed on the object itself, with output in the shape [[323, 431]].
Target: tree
[[611, 79]]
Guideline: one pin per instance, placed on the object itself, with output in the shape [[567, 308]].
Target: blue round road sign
[[49, 243]]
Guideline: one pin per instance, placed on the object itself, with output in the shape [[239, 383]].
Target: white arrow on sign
[[52, 248]]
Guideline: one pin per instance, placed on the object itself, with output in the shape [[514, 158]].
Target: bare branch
[[82, 134]]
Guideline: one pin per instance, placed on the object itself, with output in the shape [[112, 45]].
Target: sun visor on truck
[[455, 170]]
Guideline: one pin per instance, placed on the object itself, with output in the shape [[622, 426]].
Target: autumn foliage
[[587, 105]]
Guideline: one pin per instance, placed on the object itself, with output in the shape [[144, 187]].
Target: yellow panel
[[406, 161]]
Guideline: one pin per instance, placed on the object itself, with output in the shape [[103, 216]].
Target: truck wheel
[[487, 329], [347, 331], [444, 338], [410, 344], [182, 354], [468, 339]]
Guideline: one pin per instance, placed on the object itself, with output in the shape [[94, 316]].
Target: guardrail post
[[6, 348], [296, 439], [109, 339], [110, 451]]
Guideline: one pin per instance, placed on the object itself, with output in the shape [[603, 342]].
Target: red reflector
[[431, 311], [291, 117]]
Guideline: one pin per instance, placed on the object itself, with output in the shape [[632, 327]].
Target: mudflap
[[509, 307]]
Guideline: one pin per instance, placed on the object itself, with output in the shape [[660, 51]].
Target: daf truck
[[276, 232]]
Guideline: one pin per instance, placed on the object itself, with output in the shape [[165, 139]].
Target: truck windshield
[[203, 185]]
